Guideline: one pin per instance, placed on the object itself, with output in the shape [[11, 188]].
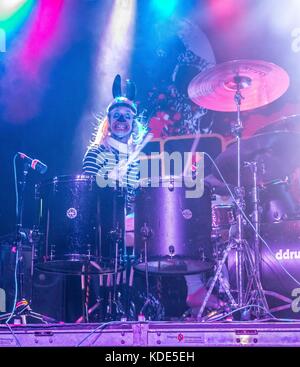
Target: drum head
[[76, 265], [174, 266]]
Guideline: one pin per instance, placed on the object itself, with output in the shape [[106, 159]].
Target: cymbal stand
[[244, 255], [245, 259], [255, 218], [240, 192]]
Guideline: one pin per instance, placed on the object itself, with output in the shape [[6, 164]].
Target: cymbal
[[260, 83], [217, 187], [276, 154], [287, 123]]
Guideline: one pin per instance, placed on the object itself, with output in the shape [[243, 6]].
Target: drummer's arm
[[95, 160]]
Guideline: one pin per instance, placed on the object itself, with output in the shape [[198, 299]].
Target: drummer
[[117, 136]]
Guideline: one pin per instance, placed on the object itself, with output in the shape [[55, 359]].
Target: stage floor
[[153, 334]]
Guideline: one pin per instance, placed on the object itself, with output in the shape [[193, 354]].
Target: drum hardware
[[115, 309], [115, 306], [255, 217], [84, 294], [220, 88], [218, 276], [90, 311], [146, 233], [22, 309]]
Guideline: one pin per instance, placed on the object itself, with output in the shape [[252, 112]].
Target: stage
[[154, 334]]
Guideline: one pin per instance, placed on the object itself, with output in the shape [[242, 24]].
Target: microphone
[[34, 163]]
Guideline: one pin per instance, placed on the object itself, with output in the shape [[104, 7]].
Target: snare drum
[[78, 222], [180, 227]]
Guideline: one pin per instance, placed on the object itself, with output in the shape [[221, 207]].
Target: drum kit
[[81, 227]]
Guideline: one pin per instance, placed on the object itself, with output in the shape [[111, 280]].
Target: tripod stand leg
[[226, 288], [216, 277], [261, 295]]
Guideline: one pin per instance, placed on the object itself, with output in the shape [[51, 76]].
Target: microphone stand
[[22, 309]]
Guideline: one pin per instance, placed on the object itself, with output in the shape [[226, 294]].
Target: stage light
[[285, 15], [13, 13], [43, 36], [115, 47], [227, 12], [165, 8], [8, 8]]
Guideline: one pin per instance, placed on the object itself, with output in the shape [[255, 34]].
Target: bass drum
[[180, 228], [283, 239], [282, 292], [78, 222]]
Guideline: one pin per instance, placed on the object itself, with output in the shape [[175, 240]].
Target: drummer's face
[[121, 121]]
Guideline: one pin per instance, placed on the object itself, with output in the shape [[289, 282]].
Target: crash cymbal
[[260, 83], [287, 123], [276, 154]]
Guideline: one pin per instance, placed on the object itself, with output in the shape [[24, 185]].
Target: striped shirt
[[102, 160]]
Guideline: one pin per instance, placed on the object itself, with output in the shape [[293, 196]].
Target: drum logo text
[[296, 302], [287, 255]]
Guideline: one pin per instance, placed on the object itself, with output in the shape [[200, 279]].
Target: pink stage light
[[29, 59], [9, 7], [39, 43], [225, 12]]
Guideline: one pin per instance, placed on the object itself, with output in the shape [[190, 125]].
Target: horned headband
[[119, 99]]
